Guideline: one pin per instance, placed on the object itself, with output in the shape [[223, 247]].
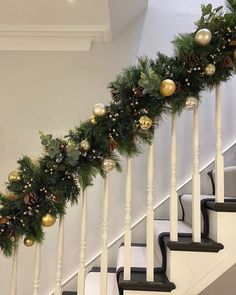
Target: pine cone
[[178, 87], [227, 62], [138, 91], [193, 59]]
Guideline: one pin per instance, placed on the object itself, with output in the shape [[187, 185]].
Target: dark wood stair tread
[[227, 206], [69, 293]]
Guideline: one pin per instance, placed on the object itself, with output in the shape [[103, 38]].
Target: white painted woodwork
[[60, 246], [150, 216], [37, 269], [82, 255], [104, 250], [219, 160], [14, 270], [127, 231], [196, 208], [173, 186]]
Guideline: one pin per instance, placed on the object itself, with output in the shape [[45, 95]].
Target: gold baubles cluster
[[28, 242], [191, 103], [203, 37], [167, 87], [48, 220], [85, 145], [108, 165], [145, 123], [99, 110], [210, 70], [14, 176]]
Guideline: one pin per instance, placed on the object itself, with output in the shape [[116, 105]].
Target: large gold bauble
[[145, 123], [210, 70], [203, 37], [234, 54], [28, 242], [93, 120], [108, 165], [99, 110], [14, 176], [3, 220], [167, 87], [85, 145], [191, 103], [48, 220]]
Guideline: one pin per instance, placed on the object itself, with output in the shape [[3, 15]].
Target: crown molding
[[51, 37]]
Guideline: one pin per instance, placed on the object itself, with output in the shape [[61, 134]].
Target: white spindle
[[14, 271], [127, 239], [196, 208], [83, 230], [150, 216], [173, 189], [60, 246], [37, 269], [219, 161], [104, 251]]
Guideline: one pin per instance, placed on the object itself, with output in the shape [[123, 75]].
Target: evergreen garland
[[67, 167]]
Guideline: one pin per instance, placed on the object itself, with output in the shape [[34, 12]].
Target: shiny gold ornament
[[203, 37], [234, 54], [191, 103], [14, 176], [28, 242], [3, 220], [145, 123], [93, 120], [85, 145], [167, 87], [99, 110], [10, 196], [48, 220], [108, 165], [1, 206], [210, 70]]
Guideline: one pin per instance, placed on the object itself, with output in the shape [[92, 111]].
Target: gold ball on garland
[[93, 120], [48, 220], [28, 242], [85, 145], [1, 206], [3, 220], [108, 165], [99, 110], [14, 176], [145, 123], [10, 196], [167, 87], [234, 54], [191, 103], [210, 70], [203, 37]]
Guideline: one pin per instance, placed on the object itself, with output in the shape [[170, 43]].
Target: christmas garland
[[38, 191]]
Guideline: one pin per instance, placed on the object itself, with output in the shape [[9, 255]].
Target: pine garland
[[66, 167]]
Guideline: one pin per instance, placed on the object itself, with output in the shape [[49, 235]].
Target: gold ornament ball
[[203, 37], [145, 123], [93, 120], [108, 165], [167, 87], [210, 70], [234, 54], [3, 220], [14, 176], [85, 145], [28, 242], [48, 220], [10, 196], [191, 103], [99, 110], [1, 206]]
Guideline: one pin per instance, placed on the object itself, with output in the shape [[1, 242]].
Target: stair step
[[228, 206], [69, 293]]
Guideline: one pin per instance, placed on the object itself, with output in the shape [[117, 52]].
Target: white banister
[[196, 206], [14, 270], [150, 216], [173, 185], [127, 231], [83, 231], [219, 161], [104, 250], [37, 268], [60, 246]]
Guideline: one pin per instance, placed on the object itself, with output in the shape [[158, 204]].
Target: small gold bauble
[[3, 220], [28, 242], [10, 196], [203, 37], [14, 176], [1, 206], [85, 145], [191, 103], [108, 165], [48, 220], [145, 123], [93, 120], [210, 70], [167, 87], [99, 110], [234, 54]]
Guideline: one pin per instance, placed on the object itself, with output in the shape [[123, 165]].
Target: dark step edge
[[227, 206], [134, 245], [98, 269], [69, 293]]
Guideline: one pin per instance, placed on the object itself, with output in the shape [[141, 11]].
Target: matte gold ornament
[[48, 220], [28, 242], [234, 54], [93, 120], [191, 103], [210, 70], [14, 176], [167, 87], [85, 145], [203, 37], [108, 165], [3, 220], [10, 196], [99, 110], [145, 123]]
